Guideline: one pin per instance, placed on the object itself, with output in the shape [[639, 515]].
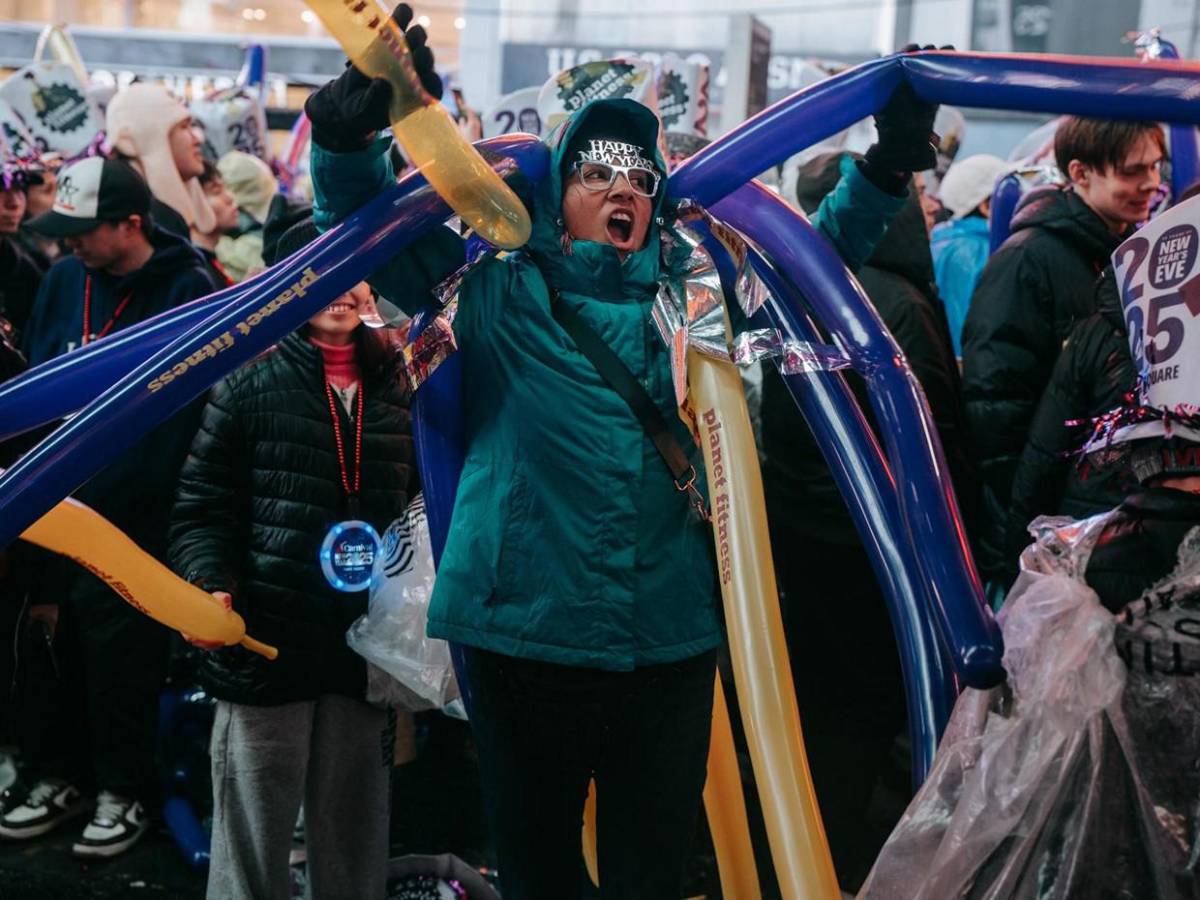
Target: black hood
[[172, 255], [904, 248], [1061, 211]]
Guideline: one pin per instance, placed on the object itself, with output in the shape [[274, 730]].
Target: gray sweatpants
[[334, 754]]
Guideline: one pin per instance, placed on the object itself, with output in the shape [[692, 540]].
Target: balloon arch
[[899, 494]]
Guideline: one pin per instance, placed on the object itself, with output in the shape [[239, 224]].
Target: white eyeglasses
[[597, 177]]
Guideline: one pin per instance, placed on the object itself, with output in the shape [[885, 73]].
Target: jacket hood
[[172, 255], [251, 182], [593, 264], [1061, 211], [138, 121]]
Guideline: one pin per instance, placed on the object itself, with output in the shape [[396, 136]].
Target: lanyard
[[222, 271], [351, 495], [87, 311]]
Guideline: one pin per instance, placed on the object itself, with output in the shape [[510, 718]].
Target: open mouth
[[339, 307], [620, 227]]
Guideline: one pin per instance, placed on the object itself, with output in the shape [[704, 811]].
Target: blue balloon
[[1184, 164], [927, 506], [861, 473], [254, 69], [291, 293], [186, 828], [60, 386], [1005, 197], [439, 432], [440, 436], [1110, 89]]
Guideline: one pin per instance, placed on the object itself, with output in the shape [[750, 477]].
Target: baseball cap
[[92, 191]]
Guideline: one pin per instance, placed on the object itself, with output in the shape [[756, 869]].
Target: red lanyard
[[220, 270], [341, 448], [87, 311]]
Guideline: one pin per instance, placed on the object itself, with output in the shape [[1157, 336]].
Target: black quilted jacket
[[1092, 375], [1031, 293], [256, 497]]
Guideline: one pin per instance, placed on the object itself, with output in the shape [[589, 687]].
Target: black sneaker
[[118, 824], [48, 804]]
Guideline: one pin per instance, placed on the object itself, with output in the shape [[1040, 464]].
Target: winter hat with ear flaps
[[139, 120]]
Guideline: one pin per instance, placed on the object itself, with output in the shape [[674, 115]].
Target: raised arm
[[856, 213], [351, 165]]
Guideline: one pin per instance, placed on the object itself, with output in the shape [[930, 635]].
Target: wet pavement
[[45, 869]]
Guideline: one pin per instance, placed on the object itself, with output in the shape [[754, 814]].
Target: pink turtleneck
[[341, 366]]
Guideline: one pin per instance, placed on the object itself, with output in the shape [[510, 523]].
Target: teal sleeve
[[855, 214], [343, 182]]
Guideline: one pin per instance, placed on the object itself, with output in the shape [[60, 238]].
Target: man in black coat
[[1034, 289], [852, 705]]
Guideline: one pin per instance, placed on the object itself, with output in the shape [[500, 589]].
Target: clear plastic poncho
[[1081, 776]]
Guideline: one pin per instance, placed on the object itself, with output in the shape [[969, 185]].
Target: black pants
[[544, 730], [88, 707], [849, 686]]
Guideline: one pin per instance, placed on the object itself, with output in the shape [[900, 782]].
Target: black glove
[[907, 142], [346, 112]]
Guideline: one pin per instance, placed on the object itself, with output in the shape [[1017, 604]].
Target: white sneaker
[[117, 825], [48, 804]]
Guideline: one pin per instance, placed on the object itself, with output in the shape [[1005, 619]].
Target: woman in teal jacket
[[574, 572]]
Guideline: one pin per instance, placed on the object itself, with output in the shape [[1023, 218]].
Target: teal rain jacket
[[569, 542]]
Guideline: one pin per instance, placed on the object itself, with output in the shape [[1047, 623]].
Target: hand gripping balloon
[[83, 535], [377, 48]]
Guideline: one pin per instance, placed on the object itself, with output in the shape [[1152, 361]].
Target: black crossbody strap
[[621, 380]]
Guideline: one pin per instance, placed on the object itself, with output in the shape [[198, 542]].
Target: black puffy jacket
[[898, 278], [1092, 376], [1139, 545], [1029, 297], [257, 495]]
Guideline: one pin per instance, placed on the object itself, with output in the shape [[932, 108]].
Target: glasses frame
[[577, 168]]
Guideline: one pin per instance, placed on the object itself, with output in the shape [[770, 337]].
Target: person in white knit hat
[[960, 246], [155, 133]]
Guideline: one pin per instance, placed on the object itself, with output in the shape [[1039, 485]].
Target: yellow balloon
[[726, 809], [759, 652], [83, 535], [430, 138], [591, 858]]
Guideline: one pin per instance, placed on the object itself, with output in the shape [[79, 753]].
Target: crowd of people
[[576, 575]]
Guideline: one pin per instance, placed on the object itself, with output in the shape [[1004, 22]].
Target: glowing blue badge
[[348, 555]]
